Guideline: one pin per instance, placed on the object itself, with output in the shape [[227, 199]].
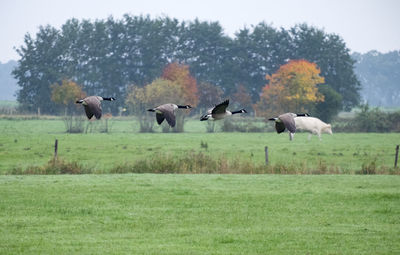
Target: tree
[[66, 94], [242, 98], [38, 68], [331, 105], [257, 52], [330, 53], [380, 77], [209, 95], [105, 56], [291, 89], [180, 74]]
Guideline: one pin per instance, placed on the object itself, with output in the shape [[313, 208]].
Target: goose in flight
[[92, 105], [167, 111], [286, 121], [219, 112]]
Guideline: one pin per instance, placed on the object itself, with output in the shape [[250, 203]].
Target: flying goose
[[167, 111], [286, 121], [92, 105], [219, 112]]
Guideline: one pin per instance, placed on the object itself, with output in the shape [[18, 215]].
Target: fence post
[[55, 149], [266, 155], [397, 156]]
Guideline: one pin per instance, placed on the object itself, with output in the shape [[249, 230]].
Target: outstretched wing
[[170, 117], [279, 126], [220, 108], [88, 112], [160, 117]]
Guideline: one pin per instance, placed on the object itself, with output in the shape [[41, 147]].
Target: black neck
[[182, 106], [107, 98], [302, 114], [239, 111]]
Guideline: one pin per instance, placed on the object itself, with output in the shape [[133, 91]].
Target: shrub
[[370, 120], [54, 166]]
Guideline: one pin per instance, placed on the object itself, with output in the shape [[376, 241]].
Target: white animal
[[313, 125]]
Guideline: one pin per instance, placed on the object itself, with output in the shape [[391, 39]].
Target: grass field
[[200, 214], [27, 143]]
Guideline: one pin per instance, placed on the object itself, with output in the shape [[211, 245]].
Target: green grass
[[200, 214], [26, 143]]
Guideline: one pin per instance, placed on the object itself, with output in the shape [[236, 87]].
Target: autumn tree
[[293, 88], [180, 75], [66, 94]]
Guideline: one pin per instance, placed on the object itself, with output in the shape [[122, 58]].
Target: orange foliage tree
[[180, 74], [293, 88]]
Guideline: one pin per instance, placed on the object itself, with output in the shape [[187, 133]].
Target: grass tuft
[[54, 166]]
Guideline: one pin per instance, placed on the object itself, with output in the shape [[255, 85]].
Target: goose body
[[286, 121], [92, 105], [219, 112], [167, 112]]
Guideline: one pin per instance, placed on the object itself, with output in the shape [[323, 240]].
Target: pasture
[[30, 143], [200, 214], [195, 213]]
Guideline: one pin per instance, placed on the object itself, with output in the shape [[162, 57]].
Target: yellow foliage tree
[[293, 88], [66, 94]]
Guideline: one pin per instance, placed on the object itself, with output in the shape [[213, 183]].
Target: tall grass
[[192, 162]]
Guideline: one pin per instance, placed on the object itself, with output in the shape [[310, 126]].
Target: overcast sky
[[363, 24]]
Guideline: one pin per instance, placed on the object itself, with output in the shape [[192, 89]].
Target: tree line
[[380, 76], [107, 56]]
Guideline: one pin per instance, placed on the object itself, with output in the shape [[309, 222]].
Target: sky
[[364, 25]]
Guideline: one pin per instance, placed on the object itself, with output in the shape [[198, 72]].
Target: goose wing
[[220, 108], [93, 107], [288, 121], [88, 112], [166, 111], [279, 126], [160, 117]]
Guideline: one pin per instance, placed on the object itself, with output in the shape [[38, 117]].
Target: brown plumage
[[92, 105], [286, 121], [167, 112]]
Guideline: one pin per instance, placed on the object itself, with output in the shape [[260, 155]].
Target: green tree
[[38, 68], [331, 105], [380, 77], [330, 53]]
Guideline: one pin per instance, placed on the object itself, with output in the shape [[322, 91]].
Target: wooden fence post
[[55, 149], [397, 156], [266, 155]]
